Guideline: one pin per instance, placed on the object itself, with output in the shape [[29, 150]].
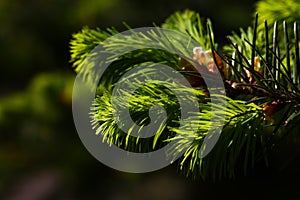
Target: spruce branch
[[190, 22], [261, 77], [281, 10], [84, 42]]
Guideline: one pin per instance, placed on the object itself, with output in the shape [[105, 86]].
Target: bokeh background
[[41, 155]]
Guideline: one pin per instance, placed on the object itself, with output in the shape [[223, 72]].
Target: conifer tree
[[260, 67]]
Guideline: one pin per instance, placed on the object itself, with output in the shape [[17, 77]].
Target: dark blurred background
[[41, 155]]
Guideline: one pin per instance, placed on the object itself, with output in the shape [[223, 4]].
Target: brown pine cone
[[270, 109]]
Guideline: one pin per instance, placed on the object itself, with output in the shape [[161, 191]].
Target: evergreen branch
[[234, 143], [278, 11], [150, 94], [190, 22], [84, 42], [246, 136]]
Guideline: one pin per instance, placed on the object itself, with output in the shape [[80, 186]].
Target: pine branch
[[150, 94], [281, 10], [240, 141], [261, 78], [190, 22], [84, 42]]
